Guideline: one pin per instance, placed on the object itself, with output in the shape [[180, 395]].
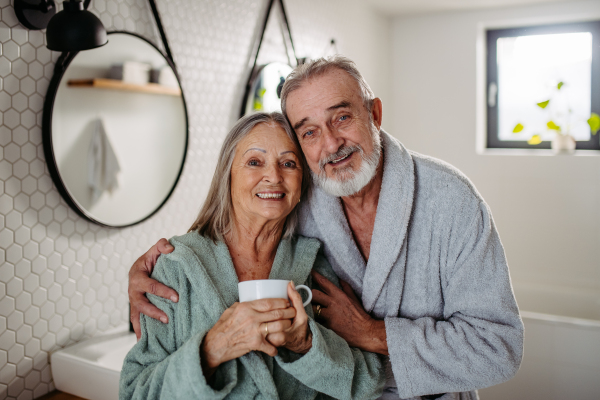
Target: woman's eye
[[289, 164], [253, 163]]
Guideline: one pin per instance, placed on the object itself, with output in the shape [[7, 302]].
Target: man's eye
[[343, 117], [308, 133]]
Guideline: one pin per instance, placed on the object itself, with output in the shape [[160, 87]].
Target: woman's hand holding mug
[[297, 337], [263, 321], [244, 327]]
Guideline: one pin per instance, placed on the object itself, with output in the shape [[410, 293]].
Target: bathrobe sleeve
[[157, 368], [479, 341], [331, 366]]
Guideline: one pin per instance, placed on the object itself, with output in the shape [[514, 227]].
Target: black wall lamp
[[72, 29]]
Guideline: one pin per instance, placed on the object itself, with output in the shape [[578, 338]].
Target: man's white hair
[[320, 66]]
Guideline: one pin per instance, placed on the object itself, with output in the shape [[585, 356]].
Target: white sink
[[91, 368]]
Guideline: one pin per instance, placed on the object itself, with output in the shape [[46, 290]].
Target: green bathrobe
[[165, 363]]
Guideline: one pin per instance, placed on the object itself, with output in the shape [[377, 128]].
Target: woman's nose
[[273, 174]]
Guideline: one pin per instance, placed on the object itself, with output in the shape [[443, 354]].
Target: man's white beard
[[349, 182]]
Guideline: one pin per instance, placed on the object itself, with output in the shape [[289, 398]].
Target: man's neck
[[361, 210], [368, 197]]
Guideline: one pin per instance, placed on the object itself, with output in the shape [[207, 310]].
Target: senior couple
[[411, 291]]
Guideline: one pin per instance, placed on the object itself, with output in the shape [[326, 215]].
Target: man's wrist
[[375, 340]]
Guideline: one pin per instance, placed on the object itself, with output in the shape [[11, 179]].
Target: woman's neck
[[253, 247]]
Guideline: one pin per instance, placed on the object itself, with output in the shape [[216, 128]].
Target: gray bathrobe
[[437, 275], [166, 363]]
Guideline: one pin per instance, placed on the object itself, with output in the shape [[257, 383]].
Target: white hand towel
[[103, 165]]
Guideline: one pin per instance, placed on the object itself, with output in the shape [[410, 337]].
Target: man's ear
[[376, 112]]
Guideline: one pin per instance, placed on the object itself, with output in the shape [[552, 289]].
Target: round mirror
[[115, 130], [265, 88]]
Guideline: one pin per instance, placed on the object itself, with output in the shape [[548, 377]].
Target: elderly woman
[[215, 347]]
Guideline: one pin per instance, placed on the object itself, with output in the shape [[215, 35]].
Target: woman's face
[[266, 175]]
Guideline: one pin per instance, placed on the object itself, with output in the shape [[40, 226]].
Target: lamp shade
[[75, 29]]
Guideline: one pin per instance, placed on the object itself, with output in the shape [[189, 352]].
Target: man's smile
[[340, 159]]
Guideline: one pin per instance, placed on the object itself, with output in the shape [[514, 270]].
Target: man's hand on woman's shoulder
[[140, 283]]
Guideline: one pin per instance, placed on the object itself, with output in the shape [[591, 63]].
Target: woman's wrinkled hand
[[244, 327], [297, 337]]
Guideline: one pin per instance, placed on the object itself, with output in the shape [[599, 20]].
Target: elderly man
[[409, 234]]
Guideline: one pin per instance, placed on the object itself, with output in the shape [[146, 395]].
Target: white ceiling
[[400, 7]]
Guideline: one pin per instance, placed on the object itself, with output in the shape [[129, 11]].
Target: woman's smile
[[271, 195]]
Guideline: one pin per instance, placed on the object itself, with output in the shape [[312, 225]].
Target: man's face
[[337, 133]]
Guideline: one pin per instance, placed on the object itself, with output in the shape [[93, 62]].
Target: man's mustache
[[342, 152]]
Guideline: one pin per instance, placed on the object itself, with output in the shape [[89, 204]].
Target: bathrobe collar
[[388, 244]]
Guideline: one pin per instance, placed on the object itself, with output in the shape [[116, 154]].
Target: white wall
[[547, 208], [361, 33]]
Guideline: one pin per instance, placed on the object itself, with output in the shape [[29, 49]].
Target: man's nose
[[333, 141]]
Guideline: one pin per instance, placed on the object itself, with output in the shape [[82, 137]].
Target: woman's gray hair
[[320, 66], [216, 215]]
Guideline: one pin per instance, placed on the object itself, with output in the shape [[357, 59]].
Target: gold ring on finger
[[267, 328], [318, 311]]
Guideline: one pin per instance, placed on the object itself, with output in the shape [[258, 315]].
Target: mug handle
[[308, 291]]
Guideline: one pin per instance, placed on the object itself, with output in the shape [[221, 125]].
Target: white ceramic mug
[[268, 289]]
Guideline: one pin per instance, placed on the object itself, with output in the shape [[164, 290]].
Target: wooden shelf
[[114, 84]]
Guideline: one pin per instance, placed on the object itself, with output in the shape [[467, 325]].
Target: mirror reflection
[[266, 88], [118, 139]]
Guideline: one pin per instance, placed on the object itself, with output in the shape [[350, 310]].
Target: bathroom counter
[[57, 395]]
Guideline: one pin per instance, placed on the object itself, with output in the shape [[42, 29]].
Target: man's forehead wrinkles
[[341, 104], [321, 104], [316, 100]]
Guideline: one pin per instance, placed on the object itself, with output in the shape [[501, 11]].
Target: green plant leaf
[[535, 139], [543, 104], [518, 128], [560, 84], [594, 123], [553, 126]]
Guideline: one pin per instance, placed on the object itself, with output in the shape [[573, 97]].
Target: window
[[542, 79]]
